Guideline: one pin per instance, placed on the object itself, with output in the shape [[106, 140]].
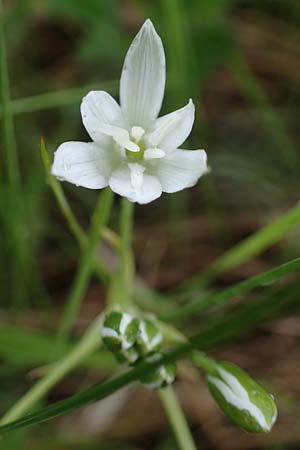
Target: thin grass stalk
[[86, 264], [9, 140], [58, 99], [221, 298], [19, 252]]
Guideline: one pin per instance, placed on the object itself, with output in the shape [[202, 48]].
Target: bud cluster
[[131, 340]]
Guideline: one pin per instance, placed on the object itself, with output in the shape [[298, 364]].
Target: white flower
[[133, 151]]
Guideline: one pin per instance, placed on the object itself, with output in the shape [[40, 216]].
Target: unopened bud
[[244, 401], [160, 377], [119, 334], [150, 338]]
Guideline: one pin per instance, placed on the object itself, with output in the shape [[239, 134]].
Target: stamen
[[154, 153], [137, 133], [131, 146]]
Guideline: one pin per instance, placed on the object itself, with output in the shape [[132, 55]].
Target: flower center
[[136, 135]]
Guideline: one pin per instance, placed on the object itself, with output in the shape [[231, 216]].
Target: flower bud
[[129, 356], [119, 334], [160, 377], [150, 338], [244, 401]]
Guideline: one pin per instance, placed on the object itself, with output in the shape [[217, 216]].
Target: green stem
[[13, 170], [177, 419], [126, 259], [86, 265], [88, 344], [200, 359], [121, 288], [173, 336], [17, 241]]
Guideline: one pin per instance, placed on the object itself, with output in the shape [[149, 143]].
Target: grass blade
[[247, 249], [263, 279], [59, 98]]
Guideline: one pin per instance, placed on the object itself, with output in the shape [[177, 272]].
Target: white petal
[[126, 181], [143, 78], [136, 175], [171, 130], [180, 169], [98, 109], [83, 164]]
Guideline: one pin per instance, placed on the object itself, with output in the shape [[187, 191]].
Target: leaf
[[263, 279]]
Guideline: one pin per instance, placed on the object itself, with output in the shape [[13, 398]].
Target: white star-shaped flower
[[133, 151]]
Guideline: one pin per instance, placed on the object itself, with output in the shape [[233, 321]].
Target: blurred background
[[240, 62]]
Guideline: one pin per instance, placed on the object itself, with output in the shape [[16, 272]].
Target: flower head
[[133, 151]]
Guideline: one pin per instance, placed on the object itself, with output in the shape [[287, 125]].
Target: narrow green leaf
[[246, 250], [263, 279], [58, 98], [9, 138]]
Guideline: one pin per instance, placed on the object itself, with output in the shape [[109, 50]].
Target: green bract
[[150, 338], [160, 377], [119, 334], [244, 401]]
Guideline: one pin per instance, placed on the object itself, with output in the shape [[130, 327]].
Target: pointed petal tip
[[149, 28], [191, 105], [148, 24]]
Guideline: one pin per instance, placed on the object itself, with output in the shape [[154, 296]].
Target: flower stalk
[[177, 419]]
